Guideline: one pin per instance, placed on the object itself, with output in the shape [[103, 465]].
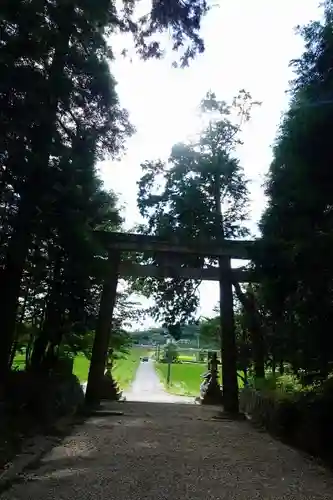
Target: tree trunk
[[20, 323], [10, 280], [49, 334], [255, 330], [103, 331], [28, 351]]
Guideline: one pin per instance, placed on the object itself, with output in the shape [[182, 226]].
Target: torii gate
[[116, 243]]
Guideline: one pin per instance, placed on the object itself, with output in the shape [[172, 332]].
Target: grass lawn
[[19, 362], [187, 357], [123, 371], [81, 367], [185, 377]]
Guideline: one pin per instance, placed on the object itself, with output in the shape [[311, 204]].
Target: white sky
[[248, 45]]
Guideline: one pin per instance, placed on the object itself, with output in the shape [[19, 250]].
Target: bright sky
[[248, 45]]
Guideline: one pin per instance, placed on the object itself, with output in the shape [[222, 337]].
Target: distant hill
[[190, 337]]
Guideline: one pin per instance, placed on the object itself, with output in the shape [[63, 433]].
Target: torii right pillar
[[228, 339]]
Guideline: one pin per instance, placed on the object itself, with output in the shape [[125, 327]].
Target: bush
[[284, 384], [170, 353], [303, 417]]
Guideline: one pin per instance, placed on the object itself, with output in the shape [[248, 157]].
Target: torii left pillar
[[103, 331]]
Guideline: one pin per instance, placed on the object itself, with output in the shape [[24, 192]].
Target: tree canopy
[[184, 196], [60, 115], [296, 227]]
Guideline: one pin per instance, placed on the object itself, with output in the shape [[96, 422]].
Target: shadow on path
[[171, 451]]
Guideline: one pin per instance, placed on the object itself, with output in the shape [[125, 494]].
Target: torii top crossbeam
[[131, 242]]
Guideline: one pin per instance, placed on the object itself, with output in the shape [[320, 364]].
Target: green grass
[[123, 371], [19, 362], [81, 367], [186, 357], [185, 378]]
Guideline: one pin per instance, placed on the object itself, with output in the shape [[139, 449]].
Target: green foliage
[[59, 115], [186, 335], [175, 331], [293, 259], [149, 336], [183, 199], [185, 378], [68, 117], [281, 386], [303, 418], [181, 19], [170, 353], [210, 332], [210, 336]]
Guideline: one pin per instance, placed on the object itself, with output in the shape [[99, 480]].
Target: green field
[[185, 377], [187, 357], [123, 371]]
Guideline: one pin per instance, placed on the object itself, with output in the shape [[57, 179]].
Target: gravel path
[[147, 387], [171, 451]]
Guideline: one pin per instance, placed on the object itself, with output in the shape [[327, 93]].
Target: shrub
[[170, 353], [284, 384], [302, 417]]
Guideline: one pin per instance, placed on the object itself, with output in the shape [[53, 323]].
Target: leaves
[[297, 225], [59, 115], [183, 198]]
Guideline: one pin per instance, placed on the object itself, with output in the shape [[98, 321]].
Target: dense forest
[[60, 115]]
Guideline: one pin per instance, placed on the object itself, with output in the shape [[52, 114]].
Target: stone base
[[109, 390], [212, 400], [213, 395]]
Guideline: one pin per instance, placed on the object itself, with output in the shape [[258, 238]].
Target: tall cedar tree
[[58, 106], [178, 199], [294, 256]]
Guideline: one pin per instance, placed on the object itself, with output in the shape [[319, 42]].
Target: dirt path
[[147, 387], [163, 451]]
